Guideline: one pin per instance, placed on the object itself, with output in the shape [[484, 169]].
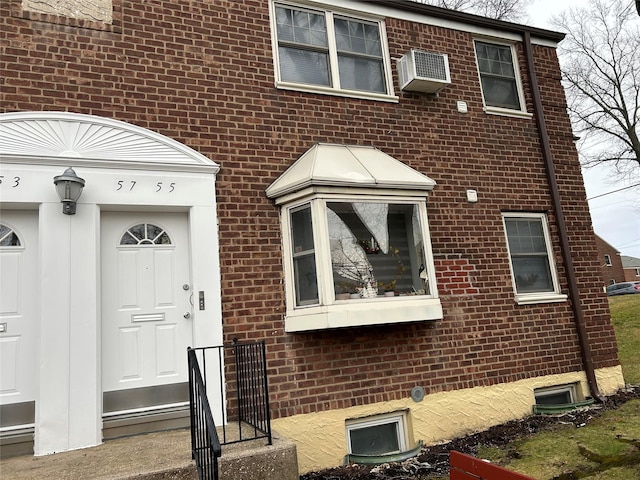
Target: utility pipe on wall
[[585, 348]]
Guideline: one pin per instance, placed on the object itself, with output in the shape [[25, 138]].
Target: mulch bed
[[434, 460]]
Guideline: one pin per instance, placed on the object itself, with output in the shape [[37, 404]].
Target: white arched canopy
[[132, 176]]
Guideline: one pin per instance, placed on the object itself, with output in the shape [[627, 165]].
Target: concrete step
[[157, 456]]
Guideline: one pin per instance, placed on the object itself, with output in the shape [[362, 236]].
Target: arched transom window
[[145, 234], [8, 238]]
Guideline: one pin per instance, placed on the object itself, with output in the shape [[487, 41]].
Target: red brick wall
[[609, 272], [202, 73]]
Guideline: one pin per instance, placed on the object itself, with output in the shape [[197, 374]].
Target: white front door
[[146, 309], [18, 314]]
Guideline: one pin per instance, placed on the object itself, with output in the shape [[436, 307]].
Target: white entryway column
[[68, 409], [85, 392]]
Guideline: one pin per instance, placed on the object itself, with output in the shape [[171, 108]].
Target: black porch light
[[69, 187]]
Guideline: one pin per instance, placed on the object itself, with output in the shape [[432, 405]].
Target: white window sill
[[334, 91], [548, 297], [362, 312], [506, 112]]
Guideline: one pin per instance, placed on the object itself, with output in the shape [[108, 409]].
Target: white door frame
[[126, 168]]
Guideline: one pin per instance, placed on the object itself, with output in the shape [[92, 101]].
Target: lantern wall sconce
[[69, 187]]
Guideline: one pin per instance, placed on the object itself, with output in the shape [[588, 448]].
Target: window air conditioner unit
[[423, 71]]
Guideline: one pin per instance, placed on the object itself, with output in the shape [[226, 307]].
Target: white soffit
[[38, 137], [348, 166]]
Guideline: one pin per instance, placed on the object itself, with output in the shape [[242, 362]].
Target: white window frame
[[490, 109], [607, 260], [398, 418], [333, 53], [331, 313], [527, 298]]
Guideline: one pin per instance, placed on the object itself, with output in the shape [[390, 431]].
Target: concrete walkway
[[155, 456]]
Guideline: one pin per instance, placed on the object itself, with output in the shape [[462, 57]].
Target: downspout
[[587, 357]]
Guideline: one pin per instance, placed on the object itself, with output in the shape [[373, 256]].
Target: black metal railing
[[243, 409], [252, 390], [205, 445]]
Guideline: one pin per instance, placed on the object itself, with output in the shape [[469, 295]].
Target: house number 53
[[14, 182]]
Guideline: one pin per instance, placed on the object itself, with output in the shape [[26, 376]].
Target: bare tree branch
[[508, 10], [601, 70]]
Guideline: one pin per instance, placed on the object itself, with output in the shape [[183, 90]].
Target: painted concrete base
[[321, 437], [256, 461]]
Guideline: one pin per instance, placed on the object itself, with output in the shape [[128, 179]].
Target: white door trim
[[125, 168]]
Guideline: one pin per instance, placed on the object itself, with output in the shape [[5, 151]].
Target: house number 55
[[160, 186]]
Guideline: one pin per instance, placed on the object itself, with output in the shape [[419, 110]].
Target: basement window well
[[559, 398], [379, 439]]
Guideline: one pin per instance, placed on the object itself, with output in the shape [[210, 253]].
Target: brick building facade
[[611, 266], [203, 74]]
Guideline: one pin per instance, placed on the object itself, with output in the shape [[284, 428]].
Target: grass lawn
[[608, 447], [625, 315]]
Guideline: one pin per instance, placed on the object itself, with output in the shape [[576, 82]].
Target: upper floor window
[[499, 78], [607, 260], [532, 267], [328, 52]]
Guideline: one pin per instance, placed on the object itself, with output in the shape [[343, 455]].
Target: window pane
[[525, 236], [145, 234], [499, 92], [375, 440], [357, 37], [559, 398], [304, 270], [299, 26], [376, 247], [532, 274], [8, 238], [361, 74], [302, 230], [304, 260], [304, 66]]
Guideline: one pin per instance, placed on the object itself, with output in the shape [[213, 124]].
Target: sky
[[615, 216]]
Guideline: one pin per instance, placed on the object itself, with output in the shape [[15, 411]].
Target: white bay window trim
[[548, 294], [335, 87], [331, 313]]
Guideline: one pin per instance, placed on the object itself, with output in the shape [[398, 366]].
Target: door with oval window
[[146, 319], [18, 328]]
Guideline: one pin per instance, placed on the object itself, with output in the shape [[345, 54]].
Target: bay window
[[355, 240], [358, 262]]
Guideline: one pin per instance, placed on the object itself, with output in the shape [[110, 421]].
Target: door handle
[[187, 315]]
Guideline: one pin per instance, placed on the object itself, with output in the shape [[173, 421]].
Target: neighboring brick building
[[443, 197], [611, 262], [631, 268]]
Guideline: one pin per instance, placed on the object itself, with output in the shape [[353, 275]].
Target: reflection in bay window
[[376, 249]]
